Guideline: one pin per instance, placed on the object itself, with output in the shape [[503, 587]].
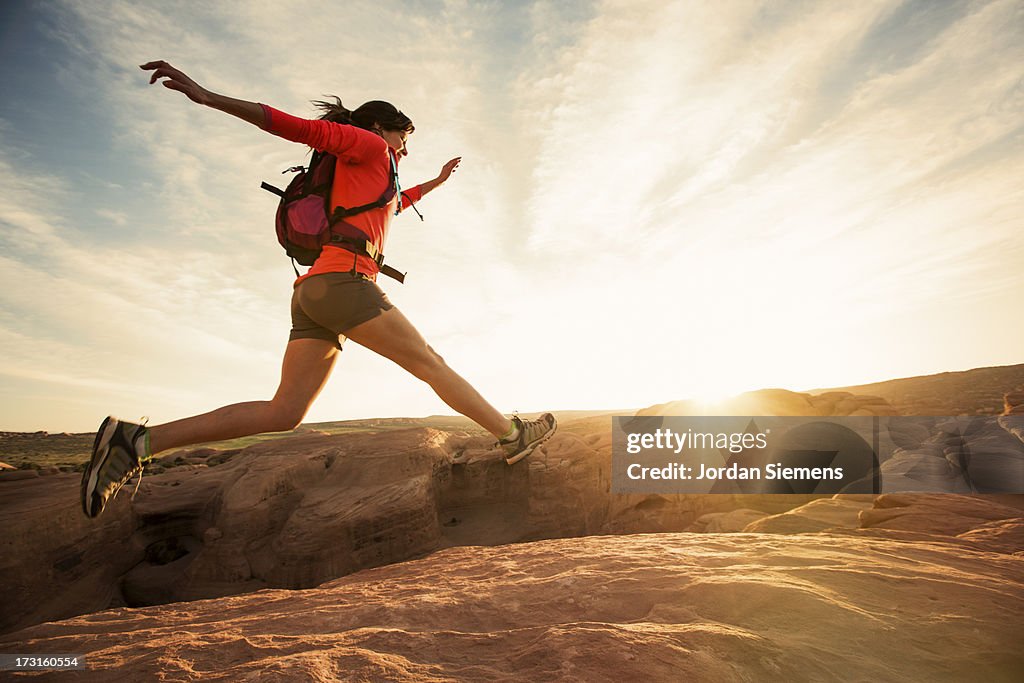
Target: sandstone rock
[[17, 475], [959, 455], [295, 512], [846, 405], [815, 516], [830, 396], [1000, 536], [860, 405], [925, 469], [825, 403], [855, 497], [949, 514], [728, 522], [771, 402], [980, 507], [299, 511], [1013, 403], [786, 524], [867, 399], [654, 607], [55, 562], [1013, 424]]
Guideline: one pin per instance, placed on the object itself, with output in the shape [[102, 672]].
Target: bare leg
[[393, 336], [307, 365]]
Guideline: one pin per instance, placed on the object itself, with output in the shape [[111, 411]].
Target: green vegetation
[[40, 450]]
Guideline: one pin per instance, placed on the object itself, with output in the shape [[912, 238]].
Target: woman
[[337, 299]]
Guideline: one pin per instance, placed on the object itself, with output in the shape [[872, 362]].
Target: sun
[[714, 394]]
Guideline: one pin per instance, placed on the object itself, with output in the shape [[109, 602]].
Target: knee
[[284, 417]]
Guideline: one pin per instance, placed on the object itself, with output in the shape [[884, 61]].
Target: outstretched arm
[[177, 80], [322, 135], [415, 194]]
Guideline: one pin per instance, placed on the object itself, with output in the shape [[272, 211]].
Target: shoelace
[[138, 483], [128, 475], [535, 428], [143, 421]]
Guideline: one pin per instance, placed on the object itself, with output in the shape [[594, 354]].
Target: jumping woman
[[337, 299]]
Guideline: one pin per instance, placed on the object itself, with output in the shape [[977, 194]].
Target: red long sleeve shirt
[[362, 174]]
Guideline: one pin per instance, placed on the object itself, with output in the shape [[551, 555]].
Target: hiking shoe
[[115, 460], [532, 433]]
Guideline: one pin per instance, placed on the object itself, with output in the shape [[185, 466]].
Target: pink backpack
[[305, 222]]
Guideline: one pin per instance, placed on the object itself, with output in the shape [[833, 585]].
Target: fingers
[[161, 69], [164, 73], [153, 65]]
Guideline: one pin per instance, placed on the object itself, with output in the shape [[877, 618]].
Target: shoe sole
[[532, 447], [100, 451]]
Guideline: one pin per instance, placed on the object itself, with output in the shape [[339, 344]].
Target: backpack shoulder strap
[[341, 213]]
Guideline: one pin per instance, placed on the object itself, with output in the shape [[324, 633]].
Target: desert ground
[[407, 550]]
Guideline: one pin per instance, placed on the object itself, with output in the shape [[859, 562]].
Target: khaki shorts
[[327, 305]]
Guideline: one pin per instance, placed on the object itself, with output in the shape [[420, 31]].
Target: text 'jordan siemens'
[[667, 439]]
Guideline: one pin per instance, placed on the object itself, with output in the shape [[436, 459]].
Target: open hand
[[176, 80], [448, 169]]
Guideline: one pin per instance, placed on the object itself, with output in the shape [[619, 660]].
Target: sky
[[657, 201]]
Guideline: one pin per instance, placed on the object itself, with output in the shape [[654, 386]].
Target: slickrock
[[818, 515], [726, 522], [939, 514], [1013, 402], [295, 512], [417, 554], [660, 607]]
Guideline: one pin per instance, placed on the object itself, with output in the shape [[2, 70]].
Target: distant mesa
[[967, 392], [781, 402]]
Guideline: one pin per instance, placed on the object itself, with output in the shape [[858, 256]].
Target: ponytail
[[333, 111], [367, 115]]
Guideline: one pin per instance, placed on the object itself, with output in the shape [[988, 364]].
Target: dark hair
[[366, 115]]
